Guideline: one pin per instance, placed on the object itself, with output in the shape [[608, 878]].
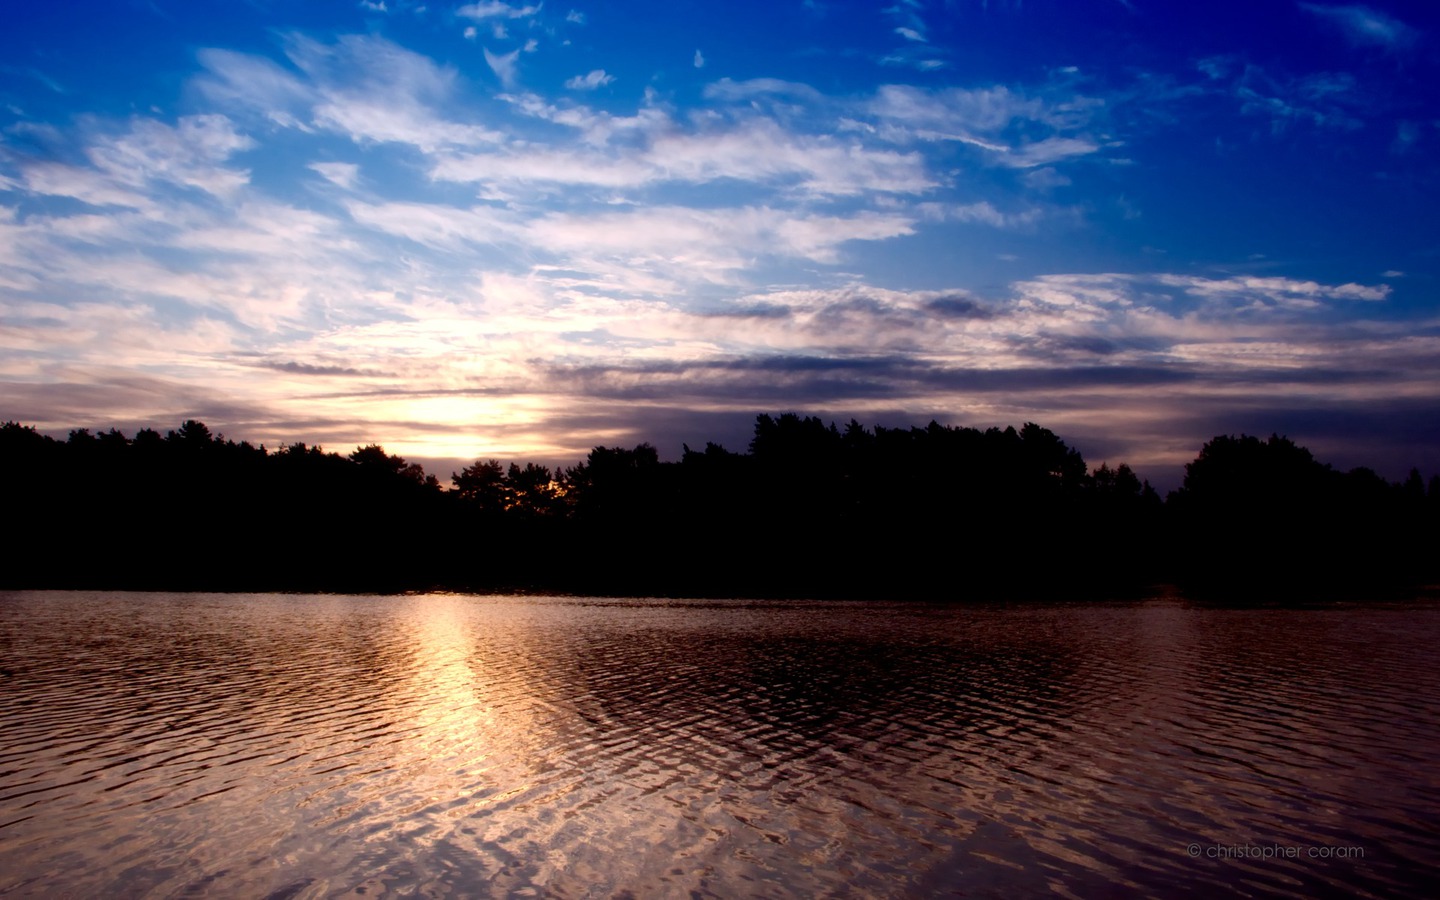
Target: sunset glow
[[486, 230]]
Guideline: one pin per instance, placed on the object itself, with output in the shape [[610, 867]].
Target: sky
[[516, 231]]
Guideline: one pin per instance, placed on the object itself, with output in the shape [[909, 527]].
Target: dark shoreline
[[809, 511]]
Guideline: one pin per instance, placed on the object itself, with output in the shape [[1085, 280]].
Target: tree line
[[808, 509]]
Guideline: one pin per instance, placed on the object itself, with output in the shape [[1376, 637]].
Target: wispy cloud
[[1325, 100], [432, 224], [83, 184], [344, 175], [493, 9], [1047, 152], [589, 82], [1366, 26], [504, 66], [916, 52], [352, 240], [28, 72], [984, 118], [755, 151], [982, 212], [523, 349], [908, 112], [733, 91], [682, 244], [364, 87], [192, 154], [1283, 292]]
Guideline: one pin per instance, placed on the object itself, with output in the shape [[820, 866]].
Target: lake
[[266, 745]]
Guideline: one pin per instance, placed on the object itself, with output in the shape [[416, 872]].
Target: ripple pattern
[[174, 745]]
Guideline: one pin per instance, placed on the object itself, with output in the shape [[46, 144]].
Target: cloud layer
[[345, 239]]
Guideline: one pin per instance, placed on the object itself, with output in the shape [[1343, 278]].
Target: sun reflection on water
[[164, 745]]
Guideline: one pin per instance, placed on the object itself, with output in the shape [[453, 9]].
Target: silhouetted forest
[[808, 509]]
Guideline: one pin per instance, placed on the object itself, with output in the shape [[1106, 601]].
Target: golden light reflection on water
[[161, 745]]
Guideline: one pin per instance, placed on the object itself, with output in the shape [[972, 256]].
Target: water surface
[[163, 745]]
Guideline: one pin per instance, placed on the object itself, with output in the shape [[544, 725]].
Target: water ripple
[[317, 746]]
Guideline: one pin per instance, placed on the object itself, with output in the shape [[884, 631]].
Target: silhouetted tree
[[147, 438], [482, 484], [1044, 452], [811, 510], [191, 434], [534, 490], [1266, 516], [616, 484]]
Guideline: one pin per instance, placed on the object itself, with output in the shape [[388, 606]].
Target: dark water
[[312, 746]]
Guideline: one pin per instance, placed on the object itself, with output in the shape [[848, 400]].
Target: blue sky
[[517, 231]]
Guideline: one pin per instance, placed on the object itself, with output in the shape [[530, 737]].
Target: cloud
[[382, 121], [986, 118], [239, 80], [299, 368], [1081, 350], [595, 79], [636, 262], [674, 240], [503, 65], [85, 185], [914, 112], [729, 91], [1325, 100], [760, 150], [575, 17], [493, 9], [431, 224], [361, 86], [757, 152], [124, 165], [699, 60], [1047, 152], [341, 174], [1366, 26], [644, 251], [596, 128], [557, 166], [909, 59], [983, 212], [1045, 179], [911, 27], [36, 74], [434, 345], [189, 153], [1276, 291]]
